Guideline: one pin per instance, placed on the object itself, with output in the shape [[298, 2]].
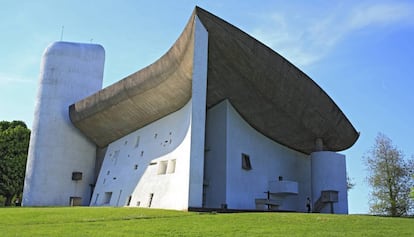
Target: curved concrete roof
[[270, 93]]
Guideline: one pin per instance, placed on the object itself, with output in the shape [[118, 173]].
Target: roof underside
[[270, 93]]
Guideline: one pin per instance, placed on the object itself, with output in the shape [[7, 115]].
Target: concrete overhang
[[269, 92]]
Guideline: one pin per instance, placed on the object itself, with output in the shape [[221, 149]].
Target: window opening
[[246, 165], [151, 196], [171, 166], [115, 157], [129, 200], [162, 168], [96, 198], [107, 197], [76, 176], [119, 196], [75, 201], [137, 141]]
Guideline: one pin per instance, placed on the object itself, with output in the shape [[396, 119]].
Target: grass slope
[[149, 222]]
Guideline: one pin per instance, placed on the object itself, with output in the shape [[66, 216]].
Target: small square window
[[171, 166], [75, 201], [246, 165], [162, 168], [76, 176]]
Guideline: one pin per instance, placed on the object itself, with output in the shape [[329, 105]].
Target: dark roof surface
[[269, 92]]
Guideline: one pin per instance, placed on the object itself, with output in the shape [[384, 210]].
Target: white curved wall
[[329, 173], [141, 175], [151, 160], [69, 72], [227, 137]]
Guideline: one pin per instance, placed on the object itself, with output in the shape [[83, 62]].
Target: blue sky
[[360, 52]]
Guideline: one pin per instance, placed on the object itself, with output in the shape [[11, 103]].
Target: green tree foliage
[[350, 184], [390, 178], [14, 143], [412, 191]]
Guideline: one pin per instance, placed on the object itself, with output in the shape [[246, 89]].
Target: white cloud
[[305, 39], [381, 14], [14, 79]]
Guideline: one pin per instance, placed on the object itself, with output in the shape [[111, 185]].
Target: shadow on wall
[[144, 156]]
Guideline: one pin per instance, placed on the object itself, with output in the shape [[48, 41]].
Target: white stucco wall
[[68, 73], [132, 165], [329, 173], [198, 119], [269, 160], [175, 140], [215, 169]]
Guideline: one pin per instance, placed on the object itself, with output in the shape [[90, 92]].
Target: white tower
[[329, 186], [61, 161]]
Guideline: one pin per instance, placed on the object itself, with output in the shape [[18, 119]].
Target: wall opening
[[171, 166], [151, 196], [75, 201], [96, 198], [129, 200], [119, 196], [76, 176], [115, 157], [137, 142], [162, 167], [107, 197], [246, 165]]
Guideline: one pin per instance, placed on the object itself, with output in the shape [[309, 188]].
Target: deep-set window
[[246, 165]]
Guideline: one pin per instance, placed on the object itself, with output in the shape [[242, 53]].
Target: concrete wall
[[198, 119], [269, 160], [150, 163], [166, 169], [215, 164], [329, 173], [68, 73]]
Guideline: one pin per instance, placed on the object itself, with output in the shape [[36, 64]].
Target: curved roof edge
[[269, 92], [141, 98]]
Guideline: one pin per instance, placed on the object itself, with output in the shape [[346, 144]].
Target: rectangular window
[[171, 166], [162, 167], [137, 142], [107, 197], [96, 198], [246, 165], [76, 176], [129, 200], [150, 199], [115, 157], [75, 201]]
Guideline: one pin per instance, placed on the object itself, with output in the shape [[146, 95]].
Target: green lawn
[[85, 221]]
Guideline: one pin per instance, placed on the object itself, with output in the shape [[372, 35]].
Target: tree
[[390, 178], [14, 144], [412, 191], [350, 184]]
